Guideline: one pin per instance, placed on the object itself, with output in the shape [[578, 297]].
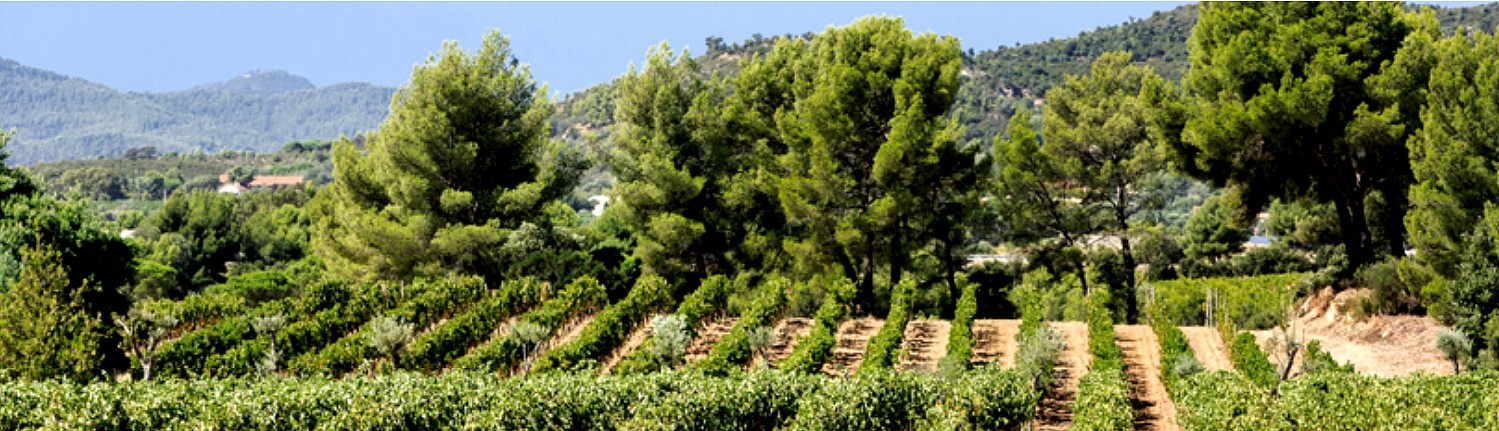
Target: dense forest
[[671, 230]]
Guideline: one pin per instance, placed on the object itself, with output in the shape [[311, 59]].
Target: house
[[270, 181]]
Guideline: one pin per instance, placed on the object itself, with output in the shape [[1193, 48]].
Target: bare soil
[[852, 338], [1385, 346], [1207, 345], [707, 336], [1055, 411], [994, 342], [924, 344], [637, 337], [1154, 409], [788, 332]]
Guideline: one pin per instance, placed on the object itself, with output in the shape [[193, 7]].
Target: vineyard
[[593, 364]]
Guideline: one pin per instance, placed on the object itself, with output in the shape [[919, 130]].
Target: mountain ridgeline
[[62, 118], [58, 117]]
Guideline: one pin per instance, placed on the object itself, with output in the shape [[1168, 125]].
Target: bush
[[733, 350], [1103, 402], [256, 287], [609, 328], [812, 351], [883, 347], [506, 351], [960, 338], [1250, 303], [1250, 360]]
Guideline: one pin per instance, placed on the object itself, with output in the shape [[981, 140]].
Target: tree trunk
[[1353, 227], [1131, 308]]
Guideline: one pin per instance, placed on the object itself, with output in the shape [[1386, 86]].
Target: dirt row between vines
[[924, 344], [637, 336], [1055, 413], [788, 332], [1207, 345], [707, 336], [852, 338], [1154, 409], [994, 342]]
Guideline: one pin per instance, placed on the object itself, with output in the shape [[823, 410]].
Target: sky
[[154, 47]]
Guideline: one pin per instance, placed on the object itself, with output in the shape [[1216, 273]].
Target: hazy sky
[[174, 46]]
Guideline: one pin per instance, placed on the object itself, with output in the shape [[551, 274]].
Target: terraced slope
[[994, 342], [924, 344], [1207, 345], [1056, 406], [637, 336], [853, 337], [707, 336], [787, 332], [1142, 359]]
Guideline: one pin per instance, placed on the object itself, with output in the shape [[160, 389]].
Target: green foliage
[[874, 400], [1315, 360], [733, 350], [1453, 153], [1230, 401], [884, 348], [46, 330], [1103, 394], [701, 402], [609, 328], [1251, 361], [1174, 349], [446, 343], [960, 336], [337, 339], [421, 202], [504, 352], [1287, 103], [1250, 303], [814, 350], [1211, 234], [255, 287], [1103, 402], [861, 162]]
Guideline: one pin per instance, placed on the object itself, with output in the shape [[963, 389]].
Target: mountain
[[261, 83], [58, 117]]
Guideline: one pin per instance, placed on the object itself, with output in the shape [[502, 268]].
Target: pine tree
[[463, 158], [45, 329]]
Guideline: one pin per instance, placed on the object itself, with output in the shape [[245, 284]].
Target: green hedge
[[695, 310], [733, 350], [1103, 394], [1251, 303], [343, 352], [1173, 347], [1341, 401], [1249, 359], [814, 350], [960, 338], [503, 353], [979, 400], [453, 339], [884, 347], [187, 355], [609, 328]]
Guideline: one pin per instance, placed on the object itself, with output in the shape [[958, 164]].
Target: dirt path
[[1056, 406], [924, 344], [1207, 345], [994, 342], [707, 336], [853, 337], [1384, 346], [1142, 361], [637, 336], [788, 332]]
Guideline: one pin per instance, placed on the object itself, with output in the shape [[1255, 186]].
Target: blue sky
[[570, 45]]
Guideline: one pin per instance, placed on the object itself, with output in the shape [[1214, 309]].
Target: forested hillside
[[58, 117]]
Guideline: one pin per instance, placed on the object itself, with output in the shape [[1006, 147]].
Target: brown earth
[[853, 337], [637, 337], [923, 345], [707, 336], [1385, 346], [1142, 361], [1055, 411], [787, 332], [1207, 345], [994, 342]]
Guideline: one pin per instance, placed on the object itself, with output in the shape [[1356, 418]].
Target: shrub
[[882, 351], [1250, 360]]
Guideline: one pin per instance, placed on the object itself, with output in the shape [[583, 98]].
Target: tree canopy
[[463, 158]]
